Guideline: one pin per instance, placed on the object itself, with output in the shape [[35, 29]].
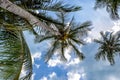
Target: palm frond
[[110, 58], [104, 36], [62, 52], [78, 53], [51, 51], [82, 29], [78, 41], [100, 55], [27, 65], [63, 8], [98, 41], [43, 38], [11, 54], [69, 25], [46, 18]]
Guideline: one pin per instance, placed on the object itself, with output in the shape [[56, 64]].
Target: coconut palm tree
[[71, 35], [111, 6], [109, 47], [14, 54]]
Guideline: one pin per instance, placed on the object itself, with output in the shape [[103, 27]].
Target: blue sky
[[88, 69]]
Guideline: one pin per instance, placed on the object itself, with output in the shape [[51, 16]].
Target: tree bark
[[13, 8]]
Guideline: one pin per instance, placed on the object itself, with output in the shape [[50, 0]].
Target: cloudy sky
[[88, 69]]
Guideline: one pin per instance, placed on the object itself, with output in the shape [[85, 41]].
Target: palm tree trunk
[[7, 5]]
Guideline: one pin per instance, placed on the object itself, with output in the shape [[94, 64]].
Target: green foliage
[[14, 54], [109, 47]]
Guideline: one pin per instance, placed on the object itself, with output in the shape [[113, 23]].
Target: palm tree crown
[[70, 35], [109, 47]]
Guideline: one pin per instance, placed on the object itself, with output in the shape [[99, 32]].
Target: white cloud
[[111, 77], [44, 78], [73, 62], [75, 75], [37, 66], [67, 53], [76, 72], [36, 55], [116, 26], [33, 75], [57, 62], [88, 40], [54, 62], [52, 75]]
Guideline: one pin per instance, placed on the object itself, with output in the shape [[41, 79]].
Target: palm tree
[[111, 6], [109, 47], [71, 35], [14, 54], [27, 7]]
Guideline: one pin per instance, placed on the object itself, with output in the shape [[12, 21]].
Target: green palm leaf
[[13, 54]]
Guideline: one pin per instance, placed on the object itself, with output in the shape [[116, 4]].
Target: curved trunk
[[7, 5]]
